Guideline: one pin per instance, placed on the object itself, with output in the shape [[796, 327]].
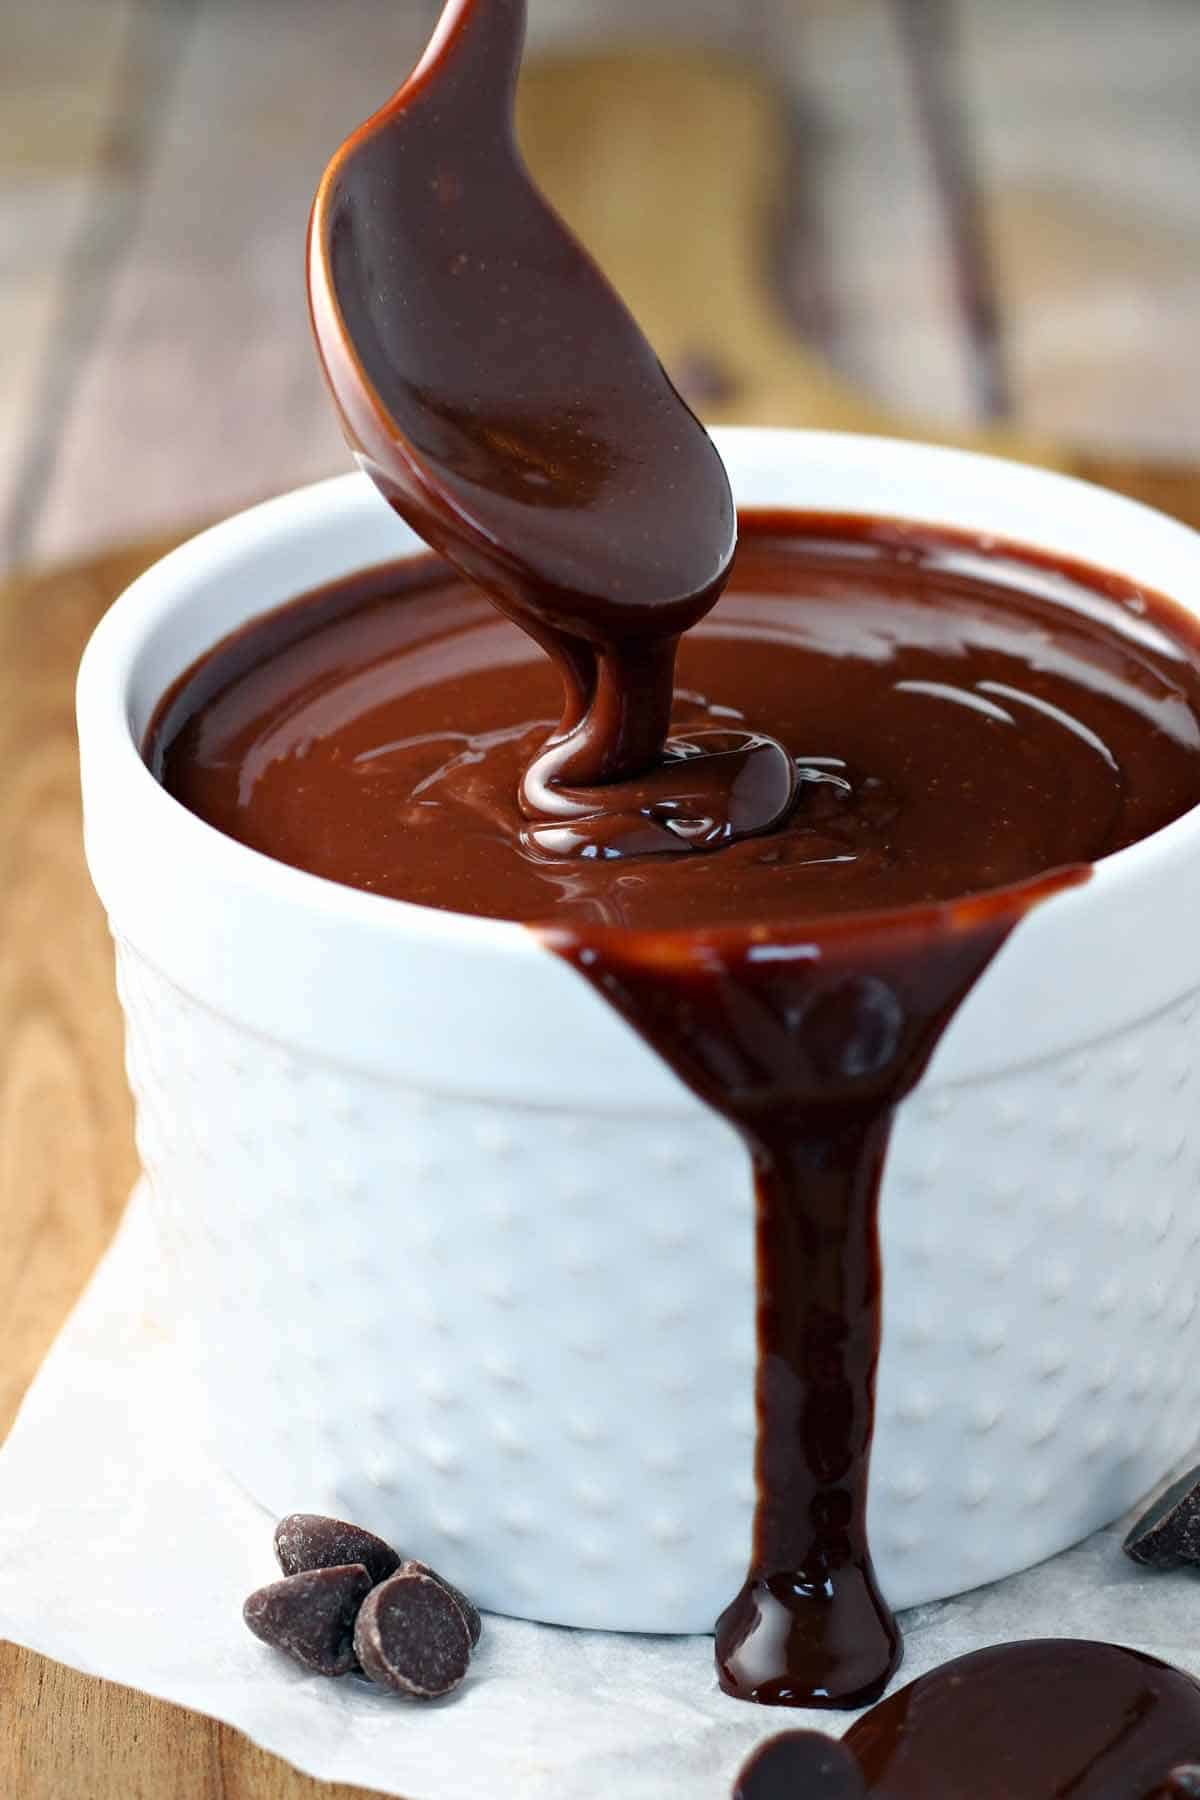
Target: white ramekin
[[462, 1260]]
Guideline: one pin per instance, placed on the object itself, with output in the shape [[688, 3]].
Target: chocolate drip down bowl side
[[458, 1257]]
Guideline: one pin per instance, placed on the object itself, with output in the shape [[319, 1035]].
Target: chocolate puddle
[[959, 720], [1051, 1719]]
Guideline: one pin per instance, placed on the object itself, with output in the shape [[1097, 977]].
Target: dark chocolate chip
[[470, 1611], [307, 1541], [801, 1765], [310, 1616], [1169, 1533], [412, 1637]]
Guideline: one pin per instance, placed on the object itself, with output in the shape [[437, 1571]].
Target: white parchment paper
[[126, 1552]]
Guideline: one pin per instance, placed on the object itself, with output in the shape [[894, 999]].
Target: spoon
[[504, 400]]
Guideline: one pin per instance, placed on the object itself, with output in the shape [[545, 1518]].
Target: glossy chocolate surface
[[960, 720], [503, 398], [1051, 1719]]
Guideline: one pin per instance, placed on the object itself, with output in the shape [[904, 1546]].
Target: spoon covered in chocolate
[[505, 402]]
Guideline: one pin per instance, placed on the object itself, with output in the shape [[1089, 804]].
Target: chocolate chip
[[801, 1763], [1169, 1533], [310, 1616], [470, 1611], [308, 1541], [412, 1637]]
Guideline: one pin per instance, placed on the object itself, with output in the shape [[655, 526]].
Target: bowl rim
[[110, 656]]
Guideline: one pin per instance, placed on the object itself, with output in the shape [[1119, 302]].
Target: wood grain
[[52, 198], [683, 221], [157, 159]]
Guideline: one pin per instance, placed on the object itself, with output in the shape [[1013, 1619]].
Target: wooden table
[[66, 1159], [969, 208]]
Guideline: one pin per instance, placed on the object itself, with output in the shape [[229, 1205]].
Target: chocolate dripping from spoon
[[504, 400]]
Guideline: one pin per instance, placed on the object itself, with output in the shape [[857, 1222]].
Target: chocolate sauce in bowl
[[963, 720]]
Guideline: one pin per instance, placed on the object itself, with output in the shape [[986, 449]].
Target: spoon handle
[[476, 44]]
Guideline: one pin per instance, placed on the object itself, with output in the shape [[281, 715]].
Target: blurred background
[[944, 216]]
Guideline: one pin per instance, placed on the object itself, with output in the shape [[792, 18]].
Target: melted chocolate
[[961, 719], [962, 723], [806, 1040], [1052, 1719], [502, 397]]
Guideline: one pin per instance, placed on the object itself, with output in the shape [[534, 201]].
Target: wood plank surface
[[771, 213], [973, 208]]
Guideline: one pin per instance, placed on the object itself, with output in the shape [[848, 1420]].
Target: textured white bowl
[[464, 1261]]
